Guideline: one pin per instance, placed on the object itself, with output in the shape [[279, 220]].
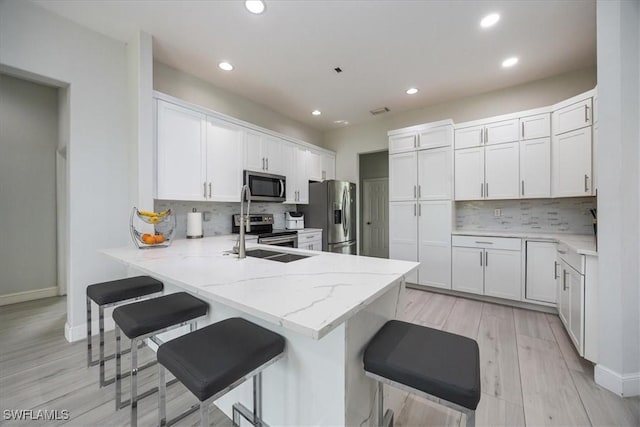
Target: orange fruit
[[148, 239], [158, 238]]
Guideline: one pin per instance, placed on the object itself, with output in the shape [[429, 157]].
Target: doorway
[[374, 204]]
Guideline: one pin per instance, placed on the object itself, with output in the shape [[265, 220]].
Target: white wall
[[190, 88], [618, 44], [348, 142], [28, 140], [95, 68]]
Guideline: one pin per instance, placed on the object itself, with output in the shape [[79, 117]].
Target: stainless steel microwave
[[266, 187]]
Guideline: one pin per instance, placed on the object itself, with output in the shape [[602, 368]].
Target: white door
[[535, 168], [273, 157], [402, 143], [434, 247], [328, 166], [302, 174], [435, 180], [403, 176], [467, 269], [469, 137], [375, 217], [224, 161], [572, 117], [469, 174], [181, 168], [571, 175], [538, 126], [563, 294], [502, 273], [542, 273], [502, 171], [576, 322], [441, 136], [254, 157], [501, 132]]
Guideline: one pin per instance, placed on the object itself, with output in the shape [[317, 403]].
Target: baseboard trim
[[28, 295], [79, 332], [624, 385]]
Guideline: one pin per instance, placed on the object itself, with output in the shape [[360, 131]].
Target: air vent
[[379, 111]]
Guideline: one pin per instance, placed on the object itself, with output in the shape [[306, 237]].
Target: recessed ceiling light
[[341, 122], [224, 65], [489, 20], [510, 62], [254, 6], [412, 91], [316, 112]]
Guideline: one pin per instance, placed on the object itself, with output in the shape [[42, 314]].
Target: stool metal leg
[[118, 369], [101, 330], [162, 393], [134, 382], [385, 419], [257, 399], [471, 418], [204, 414], [89, 350]]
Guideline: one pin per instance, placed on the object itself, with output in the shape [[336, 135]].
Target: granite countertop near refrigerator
[[584, 244]]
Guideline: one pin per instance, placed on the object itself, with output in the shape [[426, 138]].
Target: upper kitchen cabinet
[[314, 163], [535, 168], [180, 145], [403, 176], [297, 173], [571, 174], [469, 174], [478, 134], [328, 166], [224, 161], [263, 153], [435, 180], [421, 137], [536, 126], [572, 117]]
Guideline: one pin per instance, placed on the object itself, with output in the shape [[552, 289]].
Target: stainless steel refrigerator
[[332, 207]]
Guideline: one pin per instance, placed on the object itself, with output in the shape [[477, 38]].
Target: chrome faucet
[[245, 223]]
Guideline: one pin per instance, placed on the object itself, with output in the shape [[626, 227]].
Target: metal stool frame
[[132, 402], [101, 357], [385, 419], [253, 417]]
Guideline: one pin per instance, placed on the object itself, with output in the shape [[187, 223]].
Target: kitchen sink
[[274, 255]]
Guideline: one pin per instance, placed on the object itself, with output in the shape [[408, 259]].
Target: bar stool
[[216, 359], [437, 365], [109, 294], [146, 319]]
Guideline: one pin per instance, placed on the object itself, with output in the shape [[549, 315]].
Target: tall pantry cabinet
[[420, 206]]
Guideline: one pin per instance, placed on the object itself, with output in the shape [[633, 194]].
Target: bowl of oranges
[[152, 229]]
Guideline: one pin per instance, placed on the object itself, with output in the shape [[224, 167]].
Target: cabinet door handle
[[484, 243], [564, 280], [555, 270], [263, 163], [415, 210], [486, 258], [523, 187], [586, 179], [486, 191], [419, 209], [324, 175], [267, 163], [204, 193], [414, 191], [481, 189], [481, 136], [419, 191], [562, 252], [209, 190], [415, 142], [522, 124], [480, 258], [586, 114], [486, 136]]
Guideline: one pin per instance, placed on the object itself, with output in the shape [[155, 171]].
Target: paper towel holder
[[194, 225]]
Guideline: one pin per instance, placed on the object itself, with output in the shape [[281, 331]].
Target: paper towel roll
[[194, 225]]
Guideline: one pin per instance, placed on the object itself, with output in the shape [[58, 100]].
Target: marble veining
[[311, 296], [568, 215]]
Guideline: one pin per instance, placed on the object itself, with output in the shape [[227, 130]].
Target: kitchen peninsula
[[327, 306]]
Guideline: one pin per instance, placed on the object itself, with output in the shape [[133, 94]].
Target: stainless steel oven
[[266, 187], [280, 239]]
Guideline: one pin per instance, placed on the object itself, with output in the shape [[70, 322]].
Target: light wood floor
[[531, 374]]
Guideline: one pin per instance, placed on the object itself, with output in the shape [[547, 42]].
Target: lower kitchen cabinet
[[541, 272], [487, 266], [310, 240], [571, 307]]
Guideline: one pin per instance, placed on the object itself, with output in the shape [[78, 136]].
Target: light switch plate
[[497, 213]]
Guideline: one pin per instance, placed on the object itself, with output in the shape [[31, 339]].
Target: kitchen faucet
[[240, 248]]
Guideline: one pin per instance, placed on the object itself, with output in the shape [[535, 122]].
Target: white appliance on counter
[[294, 220]]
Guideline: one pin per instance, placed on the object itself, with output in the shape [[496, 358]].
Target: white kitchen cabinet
[[575, 281], [501, 132], [435, 137], [467, 269], [403, 176], [571, 160], [594, 158], [469, 174], [434, 230], [224, 161], [487, 266], [314, 164], [403, 143], [541, 272], [263, 153], [310, 240], [180, 145], [564, 298], [536, 126], [535, 168], [403, 233], [502, 171], [468, 137], [434, 174], [572, 117], [328, 166], [296, 172]]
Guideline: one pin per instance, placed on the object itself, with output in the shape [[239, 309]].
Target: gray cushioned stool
[[217, 358], [146, 319], [109, 294], [437, 365]]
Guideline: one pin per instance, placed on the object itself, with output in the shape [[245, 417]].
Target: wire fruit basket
[[164, 225]]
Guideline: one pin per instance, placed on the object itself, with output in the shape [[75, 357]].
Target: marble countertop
[[311, 296], [582, 243]]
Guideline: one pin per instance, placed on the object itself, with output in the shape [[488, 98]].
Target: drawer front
[[506, 243], [313, 245], [307, 237]]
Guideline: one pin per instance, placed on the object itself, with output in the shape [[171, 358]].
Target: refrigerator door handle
[[345, 218]]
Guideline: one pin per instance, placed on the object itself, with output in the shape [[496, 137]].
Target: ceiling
[[285, 57]]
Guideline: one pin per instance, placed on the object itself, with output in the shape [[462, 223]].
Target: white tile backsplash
[[217, 216], [569, 215]]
